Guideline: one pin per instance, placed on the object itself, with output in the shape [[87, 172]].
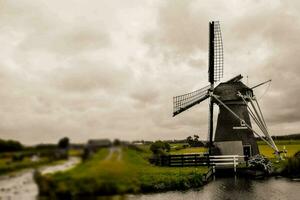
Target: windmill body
[[229, 128]]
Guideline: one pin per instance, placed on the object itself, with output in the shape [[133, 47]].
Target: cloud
[[181, 32], [73, 40], [279, 29], [84, 76], [110, 68]]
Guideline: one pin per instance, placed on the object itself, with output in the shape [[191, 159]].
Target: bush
[[17, 157], [297, 155], [160, 148], [261, 162], [292, 167], [86, 154]]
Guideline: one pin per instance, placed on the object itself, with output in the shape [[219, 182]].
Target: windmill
[[236, 101]]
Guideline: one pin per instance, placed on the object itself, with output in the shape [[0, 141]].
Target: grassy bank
[[112, 173], [7, 166], [28, 158]]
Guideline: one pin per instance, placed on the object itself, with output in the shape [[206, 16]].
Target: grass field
[[292, 146], [190, 150], [269, 152], [281, 142], [103, 174]]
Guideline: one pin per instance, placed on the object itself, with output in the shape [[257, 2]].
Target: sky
[[109, 68]]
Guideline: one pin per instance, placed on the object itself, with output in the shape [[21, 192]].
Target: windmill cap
[[227, 91]]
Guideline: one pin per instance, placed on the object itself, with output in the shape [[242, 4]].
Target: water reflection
[[232, 189]]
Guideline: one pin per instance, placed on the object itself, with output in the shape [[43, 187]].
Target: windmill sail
[[215, 68], [216, 56], [186, 101]]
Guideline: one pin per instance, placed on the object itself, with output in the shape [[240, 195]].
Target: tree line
[[13, 145]]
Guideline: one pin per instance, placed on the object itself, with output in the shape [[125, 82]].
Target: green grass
[[190, 150], [131, 174], [281, 142], [75, 152], [292, 147], [7, 166]]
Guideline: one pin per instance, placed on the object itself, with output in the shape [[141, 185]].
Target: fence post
[[159, 160], [207, 160], [234, 163]]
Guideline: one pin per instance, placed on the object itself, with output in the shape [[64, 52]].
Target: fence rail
[[183, 160], [188, 160], [225, 161]]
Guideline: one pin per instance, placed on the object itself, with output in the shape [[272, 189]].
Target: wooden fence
[[189, 160], [225, 161], [183, 160]]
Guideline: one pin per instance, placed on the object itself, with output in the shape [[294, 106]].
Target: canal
[[22, 186], [233, 189]]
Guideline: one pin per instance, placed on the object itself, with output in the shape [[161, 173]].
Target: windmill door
[[247, 151]]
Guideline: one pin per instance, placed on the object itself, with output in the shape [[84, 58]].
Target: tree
[[196, 138], [160, 147], [63, 143], [10, 145], [189, 139], [194, 142], [116, 142]]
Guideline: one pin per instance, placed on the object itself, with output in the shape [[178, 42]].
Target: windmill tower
[[237, 105], [231, 129]]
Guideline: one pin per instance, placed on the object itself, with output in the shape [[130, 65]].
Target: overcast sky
[[109, 69]]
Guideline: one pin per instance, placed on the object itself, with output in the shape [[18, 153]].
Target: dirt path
[[114, 153]]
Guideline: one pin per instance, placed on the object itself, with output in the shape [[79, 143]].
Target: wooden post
[[234, 163], [207, 160]]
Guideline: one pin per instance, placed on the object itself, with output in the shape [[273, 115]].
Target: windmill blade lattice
[[218, 52], [185, 101]]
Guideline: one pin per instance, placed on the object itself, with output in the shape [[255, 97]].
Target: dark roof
[[99, 142], [235, 79], [228, 90]]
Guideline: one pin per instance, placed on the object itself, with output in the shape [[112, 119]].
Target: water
[[231, 189], [22, 186]]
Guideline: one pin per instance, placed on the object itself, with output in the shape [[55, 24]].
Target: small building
[[95, 144]]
